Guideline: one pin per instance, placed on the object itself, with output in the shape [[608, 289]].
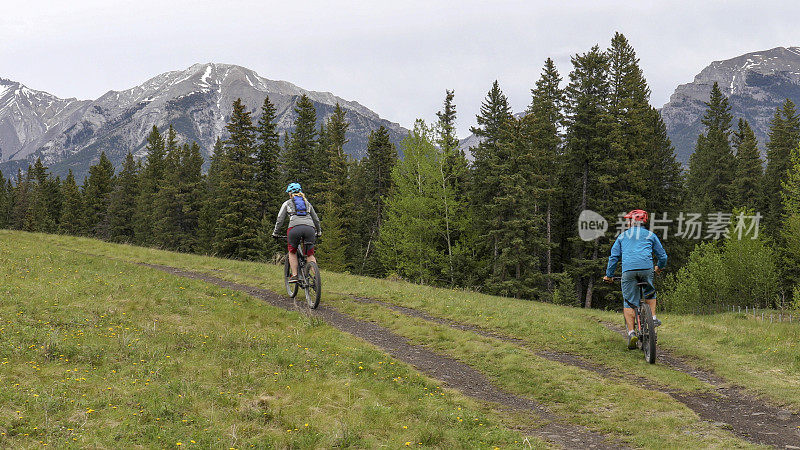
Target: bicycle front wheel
[[648, 334], [291, 288], [313, 284]]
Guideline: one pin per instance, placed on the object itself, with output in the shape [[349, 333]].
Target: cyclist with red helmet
[[636, 247]]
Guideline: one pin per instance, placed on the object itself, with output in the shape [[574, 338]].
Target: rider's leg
[[630, 315], [293, 262], [312, 258], [652, 303]]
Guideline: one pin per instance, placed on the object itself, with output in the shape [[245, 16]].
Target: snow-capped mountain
[[70, 133], [28, 116], [755, 84]]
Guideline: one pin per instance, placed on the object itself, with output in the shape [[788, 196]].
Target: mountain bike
[[643, 324], [308, 277]]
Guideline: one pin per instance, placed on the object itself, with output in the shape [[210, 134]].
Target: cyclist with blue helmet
[[303, 224]]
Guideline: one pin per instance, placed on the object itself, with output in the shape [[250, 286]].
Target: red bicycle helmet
[[637, 215]]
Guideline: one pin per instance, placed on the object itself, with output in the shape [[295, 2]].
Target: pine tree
[[24, 199], [784, 136], [453, 186], [495, 114], [268, 177], [72, 213], [748, 171], [237, 227], [97, 192], [789, 242], [43, 193], [5, 202], [123, 201], [337, 213], [516, 224], [166, 206], [711, 167], [591, 165], [546, 114], [298, 160], [210, 207], [190, 196], [373, 181], [149, 181]]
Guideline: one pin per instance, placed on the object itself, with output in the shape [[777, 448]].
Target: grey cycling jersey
[[288, 208]]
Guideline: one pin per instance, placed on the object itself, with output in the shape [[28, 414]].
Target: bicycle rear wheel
[[291, 288], [648, 334], [313, 284]]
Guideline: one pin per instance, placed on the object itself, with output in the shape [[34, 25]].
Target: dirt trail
[[452, 372], [746, 416]]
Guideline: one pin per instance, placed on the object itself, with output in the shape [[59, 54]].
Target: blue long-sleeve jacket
[[636, 247]]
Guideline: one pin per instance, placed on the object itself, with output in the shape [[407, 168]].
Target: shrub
[[740, 272]]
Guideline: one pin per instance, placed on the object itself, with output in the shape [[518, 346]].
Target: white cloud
[[397, 58]]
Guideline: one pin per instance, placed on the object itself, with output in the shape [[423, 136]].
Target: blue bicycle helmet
[[294, 188]]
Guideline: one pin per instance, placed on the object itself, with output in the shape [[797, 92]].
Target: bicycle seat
[[643, 284]]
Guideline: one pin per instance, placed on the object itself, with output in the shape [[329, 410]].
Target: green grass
[[100, 352], [762, 357]]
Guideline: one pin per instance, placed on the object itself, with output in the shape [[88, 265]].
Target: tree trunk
[[590, 287], [447, 223], [549, 252]]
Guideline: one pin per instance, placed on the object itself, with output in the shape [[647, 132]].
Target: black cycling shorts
[[306, 232]]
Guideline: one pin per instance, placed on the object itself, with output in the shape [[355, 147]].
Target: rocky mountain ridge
[[755, 83], [71, 133]]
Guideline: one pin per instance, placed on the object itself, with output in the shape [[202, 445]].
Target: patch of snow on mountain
[[4, 88], [206, 76]]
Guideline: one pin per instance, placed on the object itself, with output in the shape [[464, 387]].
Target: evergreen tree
[[237, 227], [748, 171], [592, 168], [784, 136], [495, 114], [516, 221], [372, 183], [72, 220], [268, 177], [179, 198], [149, 181], [546, 115], [454, 188], [24, 199], [301, 148], [5, 202], [210, 192], [44, 193], [97, 192], [121, 208], [166, 206], [711, 167], [334, 193]]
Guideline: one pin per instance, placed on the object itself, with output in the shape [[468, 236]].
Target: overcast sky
[[395, 57]]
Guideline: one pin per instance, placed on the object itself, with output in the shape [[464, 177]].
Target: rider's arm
[[613, 259], [281, 218], [659, 251], [314, 218]]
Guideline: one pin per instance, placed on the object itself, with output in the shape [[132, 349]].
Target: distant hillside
[[755, 83], [71, 133]]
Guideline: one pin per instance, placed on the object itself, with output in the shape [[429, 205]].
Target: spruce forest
[[503, 221]]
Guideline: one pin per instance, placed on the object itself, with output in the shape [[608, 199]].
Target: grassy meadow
[[96, 350]]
